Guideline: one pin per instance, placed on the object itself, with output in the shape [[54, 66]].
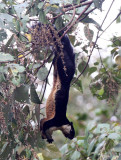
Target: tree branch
[[46, 60], [46, 79], [69, 22], [71, 8], [86, 8], [82, 70]]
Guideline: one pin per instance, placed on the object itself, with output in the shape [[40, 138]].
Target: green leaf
[[18, 27], [109, 145], [61, 1], [101, 92], [73, 145], [55, 1], [26, 110], [118, 20], [98, 4], [21, 94], [18, 68], [42, 17], [102, 70], [2, 77], [64, 148], [102, 137], [90, 20], [2, 6], [34, 96], [114, 136], [6, 150], [51, 152], [96, 63], [28, 154], [116, 41], [37, 113], [81, 67], [21, 136], [72, 39], [114, 50], [16, 80], [92, 70], [88, 33], [42, 73], [80, 142], [19, 8], [102, 128], [5, 57], [2, 24], [117, 148], [6, 17], [3, 34], [9, 42], [59, 23], [98, 148], [76, 155], [117, 79], [67, 17], [78, 85], [4, 147], [91, 146], [80, 10], [76, 1], [40, 5]]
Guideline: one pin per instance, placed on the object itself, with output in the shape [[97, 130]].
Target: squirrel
[[56, 105]]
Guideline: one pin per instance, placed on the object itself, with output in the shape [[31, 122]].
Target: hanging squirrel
[[56, 105], [64, 69]]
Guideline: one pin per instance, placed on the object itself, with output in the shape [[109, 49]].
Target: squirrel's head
[[68, 130]]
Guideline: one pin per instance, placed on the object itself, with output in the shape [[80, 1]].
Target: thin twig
[[76, 19], [82, 70], [71, 8], [69, 22], [102, 63], [86, 14], [70, 5], [94, 43], [79, 5], [46, 79], [111, 23], [46, 60], [97, 37]]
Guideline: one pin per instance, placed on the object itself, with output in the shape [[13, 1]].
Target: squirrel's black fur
[[63, 79]]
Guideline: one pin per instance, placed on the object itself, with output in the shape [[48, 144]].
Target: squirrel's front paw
[[50, 140]]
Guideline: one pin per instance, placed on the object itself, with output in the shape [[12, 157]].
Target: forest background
[[25, 77]]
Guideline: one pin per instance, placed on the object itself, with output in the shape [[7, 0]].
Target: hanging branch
[[46, 79]]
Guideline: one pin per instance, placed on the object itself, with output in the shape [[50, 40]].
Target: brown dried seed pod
[[45, 35]]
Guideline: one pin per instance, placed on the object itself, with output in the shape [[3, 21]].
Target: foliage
[[99, 142], [23, 69]]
